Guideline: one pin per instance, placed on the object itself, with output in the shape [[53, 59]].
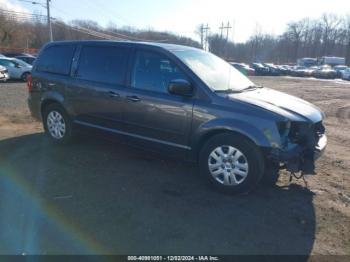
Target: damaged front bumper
[[300, 156], [321, 146]]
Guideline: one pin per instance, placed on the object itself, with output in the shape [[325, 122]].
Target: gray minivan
[[177, 100]]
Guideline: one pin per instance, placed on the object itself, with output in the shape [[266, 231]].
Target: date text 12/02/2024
[[173, 258]]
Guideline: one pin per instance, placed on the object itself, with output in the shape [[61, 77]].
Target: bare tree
[[347, 38]]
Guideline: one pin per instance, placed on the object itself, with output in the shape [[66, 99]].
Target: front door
[[151, 113]]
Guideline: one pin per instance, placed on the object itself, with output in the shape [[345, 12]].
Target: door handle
[[133, 99], [113, 94]]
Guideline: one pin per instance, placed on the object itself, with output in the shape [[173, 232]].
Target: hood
[[291, 107]]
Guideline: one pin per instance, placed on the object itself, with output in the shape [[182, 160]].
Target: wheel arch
[[240, 128], [49, 99]]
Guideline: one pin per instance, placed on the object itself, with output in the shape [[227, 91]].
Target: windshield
[[215, 72]]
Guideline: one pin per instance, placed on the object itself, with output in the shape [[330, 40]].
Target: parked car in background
[[298, 71], [4, 75], [340, 69], [260, 69], [28, 59], [289, 69], [14, 54], [177, 100], [283, 69], [17, 69], [243, 68], [346, 74], [273, 70], [326, 72], [309, 72]]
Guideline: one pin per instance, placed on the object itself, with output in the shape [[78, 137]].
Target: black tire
[[68, 134], [24, 76], [253, 156], [271, 175]]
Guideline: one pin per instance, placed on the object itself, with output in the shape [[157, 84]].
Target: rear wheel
[[232, 163], [57, 124]]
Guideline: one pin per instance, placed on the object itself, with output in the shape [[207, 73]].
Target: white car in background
[[346, 74], [4, 75], [17, 69]]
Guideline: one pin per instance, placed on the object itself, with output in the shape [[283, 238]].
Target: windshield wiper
[[228, 91], [252, 87]]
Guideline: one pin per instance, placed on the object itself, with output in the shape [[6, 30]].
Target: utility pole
[[228, 27], [206, 30], [221, 29], [49, 20], [201, 31], [47, 6]]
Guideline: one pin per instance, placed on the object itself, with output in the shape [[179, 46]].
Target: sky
[[184, 16]]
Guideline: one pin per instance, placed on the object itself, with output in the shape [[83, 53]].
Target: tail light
[[30, 83]]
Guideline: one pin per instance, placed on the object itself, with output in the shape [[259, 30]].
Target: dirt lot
[[98, 197]]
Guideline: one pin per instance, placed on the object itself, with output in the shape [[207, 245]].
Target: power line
[[107, 11], [87, 31], [32, 2], [47, 7], [104, 35], [21, 13], [127, 37], [20, 16], [28, 17]]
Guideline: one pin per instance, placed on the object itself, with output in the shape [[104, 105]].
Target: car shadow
[[99, 197]]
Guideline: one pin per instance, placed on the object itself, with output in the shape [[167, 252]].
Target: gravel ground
[[98, 197]]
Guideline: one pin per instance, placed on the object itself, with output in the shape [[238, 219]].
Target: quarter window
[[103, 64], [56, 59], [154, 71]]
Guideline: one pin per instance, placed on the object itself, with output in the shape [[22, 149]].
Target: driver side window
[[154, 72]]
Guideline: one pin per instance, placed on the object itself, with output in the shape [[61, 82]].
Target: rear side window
[[103, 64], [56, 59]]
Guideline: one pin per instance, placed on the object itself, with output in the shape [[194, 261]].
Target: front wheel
[[57, 124], [232, 163], [24, 76]]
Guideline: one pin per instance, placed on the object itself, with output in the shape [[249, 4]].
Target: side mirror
[[180, 87], [18, 66]]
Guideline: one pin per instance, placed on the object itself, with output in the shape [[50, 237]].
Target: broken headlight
[[284, 129]]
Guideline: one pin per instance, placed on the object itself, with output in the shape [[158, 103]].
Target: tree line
[[328, 35], [28, 31]]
